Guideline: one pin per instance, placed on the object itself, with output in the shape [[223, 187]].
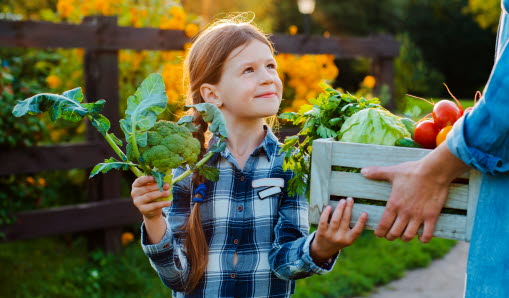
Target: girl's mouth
[[266, 95]]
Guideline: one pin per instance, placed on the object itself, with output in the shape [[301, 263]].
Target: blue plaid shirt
[[270, 235]]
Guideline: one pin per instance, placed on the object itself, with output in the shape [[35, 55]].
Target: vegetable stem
[[199, 164]]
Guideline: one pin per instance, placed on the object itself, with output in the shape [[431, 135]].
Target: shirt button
[[236, 241], [242, 178], [233, 275], [239, 208]]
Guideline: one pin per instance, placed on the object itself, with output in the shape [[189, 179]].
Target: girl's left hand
[[335, 235]]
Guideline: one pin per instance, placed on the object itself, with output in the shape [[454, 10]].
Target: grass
[[416, 108], [62, 267]]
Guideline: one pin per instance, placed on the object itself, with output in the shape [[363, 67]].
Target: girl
[[244, 236]]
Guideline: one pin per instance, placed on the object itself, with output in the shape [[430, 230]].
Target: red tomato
[[445, 113], [426, 134]]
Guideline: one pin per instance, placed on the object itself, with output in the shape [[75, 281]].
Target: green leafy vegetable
[[153, 147], [373, 126]]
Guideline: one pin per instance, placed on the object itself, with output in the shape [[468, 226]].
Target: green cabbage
[[373, 126]]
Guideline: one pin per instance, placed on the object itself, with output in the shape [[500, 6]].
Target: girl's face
[[249, 86]]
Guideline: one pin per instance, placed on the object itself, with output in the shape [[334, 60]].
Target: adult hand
[[419, 191]]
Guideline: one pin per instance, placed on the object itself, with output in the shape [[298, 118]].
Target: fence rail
[[102, 38]]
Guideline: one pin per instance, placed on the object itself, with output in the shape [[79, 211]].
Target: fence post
[[383, 70], [101, 82]]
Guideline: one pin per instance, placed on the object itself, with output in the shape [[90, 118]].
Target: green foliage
[[36, 268], [322, 119], [485, 12], [157, 147], [371, 262]]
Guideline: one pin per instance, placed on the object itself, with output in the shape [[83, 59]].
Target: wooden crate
[[325, 182]]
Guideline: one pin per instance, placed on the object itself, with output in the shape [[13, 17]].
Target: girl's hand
[[335, 235], [144, 192]]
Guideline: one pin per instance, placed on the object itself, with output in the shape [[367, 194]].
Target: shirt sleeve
[[481, 137], [168, 257], [289, 257]]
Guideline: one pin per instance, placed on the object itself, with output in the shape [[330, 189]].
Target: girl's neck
[[244, 136]]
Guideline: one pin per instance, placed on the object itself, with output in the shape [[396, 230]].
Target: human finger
[[378, 173], [155, 206], [385, 223], [323, 224], [397, 229], [411, 230], [427, 233], [337, 215], [138, 191], [153, 195], [347, 214], [142, 181], [359, 226]]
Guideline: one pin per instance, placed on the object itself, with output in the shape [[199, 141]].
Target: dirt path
[[444, 278]]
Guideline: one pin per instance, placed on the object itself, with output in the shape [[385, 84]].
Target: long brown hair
[[204, 64]]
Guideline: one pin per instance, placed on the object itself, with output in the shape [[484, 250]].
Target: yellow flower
[[65, 8], [369, 82], [178, 13], [53, 81], [126, 238], [191, 30], [41, 182], [30, 180], [292, 29], [326, 34]]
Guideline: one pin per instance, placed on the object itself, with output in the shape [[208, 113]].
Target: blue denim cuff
[[164, 246], [308, 260], [484, 162]]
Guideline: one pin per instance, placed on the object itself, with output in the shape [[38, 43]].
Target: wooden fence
[[100, 37]]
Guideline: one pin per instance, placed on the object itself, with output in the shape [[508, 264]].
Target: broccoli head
[[169, 146]]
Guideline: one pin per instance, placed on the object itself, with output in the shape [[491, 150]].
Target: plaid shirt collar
[[269, 146]]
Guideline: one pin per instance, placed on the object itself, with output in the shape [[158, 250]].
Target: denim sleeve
[[289, 257], [481, 137], [168, 257]]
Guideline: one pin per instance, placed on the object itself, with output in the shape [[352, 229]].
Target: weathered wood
[[355, 185], [37, 34], [355, 155], [340, 47], [461, 196], [383, 71], [70, 219], [473, 196], [448, 226], [320, 173], [48, 158], [111, 37]]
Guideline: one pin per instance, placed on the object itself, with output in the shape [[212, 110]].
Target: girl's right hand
[[144, 192]]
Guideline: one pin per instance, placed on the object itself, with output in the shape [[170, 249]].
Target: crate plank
[[355, 185], [448, 226], [321, 171], [473, 195], [355, 155]]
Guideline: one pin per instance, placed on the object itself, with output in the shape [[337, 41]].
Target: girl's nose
[[266, 78]]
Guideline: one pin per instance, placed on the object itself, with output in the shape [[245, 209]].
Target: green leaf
[[289, 116], [58, 106], [115, 139], [159, 176], [76, 94], [110, 164], [289, 143], [210, 173], [218, 147], [101, 123], [325, 132], [187, 122], [146, 104], [214, 116]]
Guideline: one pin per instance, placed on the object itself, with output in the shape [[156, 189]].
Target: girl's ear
[[209, 94]]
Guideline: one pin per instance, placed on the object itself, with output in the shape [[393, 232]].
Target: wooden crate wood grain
[[325, 182]]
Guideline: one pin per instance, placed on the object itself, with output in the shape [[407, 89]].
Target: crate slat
[[448, 226], [325, 182], [355, 155], [321, 170], [355, 185]]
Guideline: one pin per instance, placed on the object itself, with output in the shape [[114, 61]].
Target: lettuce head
[[373, 126]]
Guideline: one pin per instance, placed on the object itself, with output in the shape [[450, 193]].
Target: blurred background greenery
[[442, 41]]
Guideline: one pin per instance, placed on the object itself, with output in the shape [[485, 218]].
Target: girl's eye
[[248, 70], [271, 65]]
